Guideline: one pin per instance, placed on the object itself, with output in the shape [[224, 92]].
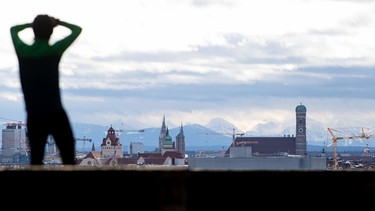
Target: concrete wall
[[174, 188], [258, 163], [235, 152]]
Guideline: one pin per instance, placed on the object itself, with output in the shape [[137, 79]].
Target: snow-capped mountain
[[221, 126], [216, 135]]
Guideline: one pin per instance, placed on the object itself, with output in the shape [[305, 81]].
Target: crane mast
[[84, 139], [336, 138], [234, 136]]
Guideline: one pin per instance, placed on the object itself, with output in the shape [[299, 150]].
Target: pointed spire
[[181, 133], [93, 147], [163, 124]]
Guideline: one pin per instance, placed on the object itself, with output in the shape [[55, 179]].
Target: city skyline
[[248, 62]]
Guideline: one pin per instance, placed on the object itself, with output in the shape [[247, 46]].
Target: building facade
[[15, 147], [111, 146], [135, 147]]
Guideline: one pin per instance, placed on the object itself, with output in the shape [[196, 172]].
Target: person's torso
[[38, 66]]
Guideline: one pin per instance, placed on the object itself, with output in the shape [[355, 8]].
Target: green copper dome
[[168, 139], [301, 108]]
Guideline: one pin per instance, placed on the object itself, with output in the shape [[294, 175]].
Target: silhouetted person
[[39, 75]]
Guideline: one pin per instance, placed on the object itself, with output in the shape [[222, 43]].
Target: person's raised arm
[[64, 43], [14, 30]]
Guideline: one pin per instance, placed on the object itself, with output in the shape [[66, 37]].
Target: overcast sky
[[247, 62]]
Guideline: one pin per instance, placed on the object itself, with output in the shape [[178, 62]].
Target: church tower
[[168, 144], [301, 130], [163, 133], [111, 146], [180, 141]]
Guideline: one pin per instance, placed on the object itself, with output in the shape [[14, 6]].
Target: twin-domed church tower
[[301, 130]]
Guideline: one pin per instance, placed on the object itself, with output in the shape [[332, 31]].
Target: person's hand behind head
[[55, 21]]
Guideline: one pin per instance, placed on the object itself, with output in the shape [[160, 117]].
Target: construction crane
[[135, 131], [84, 139], [336, 138], [121, 132], [234, 134]]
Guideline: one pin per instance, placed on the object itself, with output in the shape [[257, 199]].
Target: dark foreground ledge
[[180, 188]]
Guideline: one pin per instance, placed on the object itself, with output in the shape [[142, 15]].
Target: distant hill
[[216, 136]]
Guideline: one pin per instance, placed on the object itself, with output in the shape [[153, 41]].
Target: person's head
[[43, 27]]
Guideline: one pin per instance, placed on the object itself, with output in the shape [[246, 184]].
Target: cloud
[[247, 62]]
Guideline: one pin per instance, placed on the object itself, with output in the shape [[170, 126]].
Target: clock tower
[[301, 130]]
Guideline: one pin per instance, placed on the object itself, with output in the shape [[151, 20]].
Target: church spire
[[163, 132], [93, 147]]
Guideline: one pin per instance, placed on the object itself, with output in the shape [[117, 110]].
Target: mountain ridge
[[216, 135]]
